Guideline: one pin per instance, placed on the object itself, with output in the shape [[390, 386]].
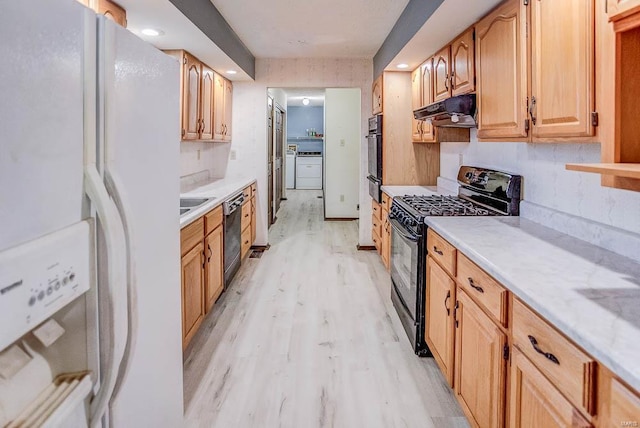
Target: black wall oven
[[374, 142]]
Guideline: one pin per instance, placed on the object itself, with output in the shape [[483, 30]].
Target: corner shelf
[[627, 170]]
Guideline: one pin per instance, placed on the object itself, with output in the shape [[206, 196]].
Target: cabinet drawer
[[377, 241], [567, 367], [247, 191], [376, 209], [213, 219], [385, 202], [190, 235], [376, 225], [483, 288], [624, 405], [246, 215], [441, 251], [254, 188], [245, 242]]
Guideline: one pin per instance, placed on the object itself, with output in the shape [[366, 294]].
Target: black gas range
[[482, 192]]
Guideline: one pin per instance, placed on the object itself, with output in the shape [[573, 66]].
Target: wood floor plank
[[307, 336]]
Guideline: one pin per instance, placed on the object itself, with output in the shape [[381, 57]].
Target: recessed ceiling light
[[403, 65], [305, 101], [231, 72], [152, 32]]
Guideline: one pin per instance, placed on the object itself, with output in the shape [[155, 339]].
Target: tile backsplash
[[197, 156], [546, 182]]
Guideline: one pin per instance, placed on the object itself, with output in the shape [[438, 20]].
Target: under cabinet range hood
[[454, 112]]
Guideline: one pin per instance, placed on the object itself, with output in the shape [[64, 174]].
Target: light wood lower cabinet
[[535, 402], [193, 309], [480, 365], [214, 266], [440, 299], [381, 228], [201, 247], [551, 383]]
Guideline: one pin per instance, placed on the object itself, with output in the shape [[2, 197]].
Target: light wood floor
[[307, 337]]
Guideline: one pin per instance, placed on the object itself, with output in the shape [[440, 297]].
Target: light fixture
[[231, 72], [403, 65], [152, 32], [305, 101]]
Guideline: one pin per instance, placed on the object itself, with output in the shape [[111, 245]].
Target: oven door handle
[[398, 227]]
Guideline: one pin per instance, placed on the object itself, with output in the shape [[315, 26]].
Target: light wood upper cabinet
[[206, 124], [463, 69], [109, 9], [618, 9], [535, 402], [191, 97], [192, 292], [501, 73], [223, 93], [214, 267], [416, 102], [441, 75], [480, 367], [562, 35], [376, 96], [439, 301]]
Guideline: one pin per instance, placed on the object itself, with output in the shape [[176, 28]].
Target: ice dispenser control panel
[[40, 277]]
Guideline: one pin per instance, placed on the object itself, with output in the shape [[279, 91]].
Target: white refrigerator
[[90, 312]]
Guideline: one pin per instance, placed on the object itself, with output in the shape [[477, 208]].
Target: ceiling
[[447, 22], [311, 28], [304, 29], [296, 95], [179, 33]]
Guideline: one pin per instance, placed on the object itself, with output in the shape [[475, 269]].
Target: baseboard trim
[[341, 219], [366, 247]]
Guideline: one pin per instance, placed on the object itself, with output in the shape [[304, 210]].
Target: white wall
[[196, 156], [250, 120], [342, 153], [546, 181]]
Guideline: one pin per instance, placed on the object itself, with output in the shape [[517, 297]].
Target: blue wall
[[299, 119]]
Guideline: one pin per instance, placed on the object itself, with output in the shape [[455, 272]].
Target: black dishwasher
[[232, 229]]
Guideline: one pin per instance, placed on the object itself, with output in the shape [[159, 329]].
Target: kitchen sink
[[193, 202], [184, 210]]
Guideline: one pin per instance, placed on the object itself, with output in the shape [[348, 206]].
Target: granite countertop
[[394, 191], [220, 189], [590, 294]]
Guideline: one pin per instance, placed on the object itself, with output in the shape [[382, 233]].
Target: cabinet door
[[218, 107], [623, 406], [439, 301], [192, 292], [416, 102], [253, 220], [501, 74], [111, 11], [206, 127], [441, 75], [191, 98], [617, 9], [428, 130], [535, 402], [463, 70], [228, 103], [214, 267], [385, 237], [376, 96], [562, 68], [479, 364]]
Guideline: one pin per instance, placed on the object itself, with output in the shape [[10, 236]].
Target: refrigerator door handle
[[115, 293], [117, 192]]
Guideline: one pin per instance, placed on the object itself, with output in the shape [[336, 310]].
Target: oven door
[[404, 269], [374, 188], [374, 142]]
